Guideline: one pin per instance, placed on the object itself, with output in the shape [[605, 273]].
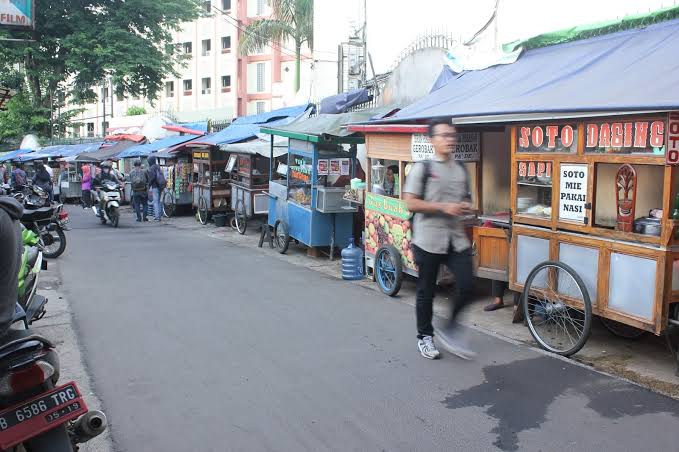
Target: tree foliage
[[77, 44], [136, 111], [290, 20]]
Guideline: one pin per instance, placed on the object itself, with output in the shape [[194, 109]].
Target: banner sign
[[572, 192], [323, 167], [17, 13], [384, 204], [625, 137], [550, 138], [335, 167], [467, 148], [535, 172], [672, 157]]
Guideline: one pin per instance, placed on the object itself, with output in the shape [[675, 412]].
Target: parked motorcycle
[[30, 305], [110, 193]]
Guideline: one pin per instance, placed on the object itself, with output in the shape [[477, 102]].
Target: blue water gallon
[[352, 262]]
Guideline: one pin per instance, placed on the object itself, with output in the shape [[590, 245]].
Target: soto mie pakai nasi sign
[[467, 148], [389, 206], [17, 14]]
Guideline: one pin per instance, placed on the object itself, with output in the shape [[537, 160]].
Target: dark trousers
[[140, 203], [460, 264], [87, 198], [497, 288]]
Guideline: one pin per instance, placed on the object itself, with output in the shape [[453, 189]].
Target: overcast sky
[[394, 24]]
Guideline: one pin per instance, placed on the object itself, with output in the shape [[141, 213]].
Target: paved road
[[195, 345]]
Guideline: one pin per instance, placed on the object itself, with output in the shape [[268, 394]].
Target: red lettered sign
[[672, 155]]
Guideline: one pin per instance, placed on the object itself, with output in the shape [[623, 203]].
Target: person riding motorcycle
[[106, 174], [11, 248]]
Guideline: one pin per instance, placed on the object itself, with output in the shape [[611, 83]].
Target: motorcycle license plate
[[44, 412]]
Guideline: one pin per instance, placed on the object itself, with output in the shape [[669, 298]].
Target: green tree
[[78, 44], [136, 111], [290, 20]]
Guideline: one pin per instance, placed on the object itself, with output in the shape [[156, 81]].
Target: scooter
[[110, 193], [47, 220], [30, 305]]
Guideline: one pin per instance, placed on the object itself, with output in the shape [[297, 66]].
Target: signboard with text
[[672, 156], [467, 148], [572, 192], [549, 138], [625, 137], [17, 14]]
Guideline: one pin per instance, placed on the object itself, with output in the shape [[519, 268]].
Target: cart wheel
[[557, 308], [388, 269], [281, 236], [621, 330], [240, 217], [202, 210], [169, 204]]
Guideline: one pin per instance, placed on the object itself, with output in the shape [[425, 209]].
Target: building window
[[260, 77], [260, 107], [226, 44], [187, 47], [105, 128], [76, 131], [90, 129], [207, 6], [206, 85], [207, 46], [188, 87], [226, 83], [169, 89], [260, 7], [226, 5]]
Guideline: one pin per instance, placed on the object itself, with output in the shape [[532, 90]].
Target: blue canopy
[[632, 70], [341, 103], [12, 154], [199, 126], [143, 150], [61, 150], [247, 127]]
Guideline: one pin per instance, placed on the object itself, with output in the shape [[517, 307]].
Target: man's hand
[[456, 209]]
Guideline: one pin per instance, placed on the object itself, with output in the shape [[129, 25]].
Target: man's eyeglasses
[[446, 135]]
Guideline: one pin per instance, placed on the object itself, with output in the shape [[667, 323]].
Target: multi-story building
[[216, 82]]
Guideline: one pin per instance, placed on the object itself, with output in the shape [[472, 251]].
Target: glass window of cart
[[299, 179], [644, 136], [385, 177], [552, 138], [534, 188]]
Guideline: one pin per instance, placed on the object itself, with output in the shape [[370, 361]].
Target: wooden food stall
[[596, 226], [391, 150], [211, 182]]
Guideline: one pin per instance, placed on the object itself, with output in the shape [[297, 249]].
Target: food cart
[[306, 195], [176, 167], [211, 182]]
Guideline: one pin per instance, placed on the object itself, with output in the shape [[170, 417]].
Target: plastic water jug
[[352, 262]]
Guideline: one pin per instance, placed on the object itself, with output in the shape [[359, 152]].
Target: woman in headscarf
[[86, 186]]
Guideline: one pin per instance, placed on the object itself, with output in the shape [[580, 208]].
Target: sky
[[394, 24]]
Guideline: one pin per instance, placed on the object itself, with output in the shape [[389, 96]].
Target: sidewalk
[[645, 361]]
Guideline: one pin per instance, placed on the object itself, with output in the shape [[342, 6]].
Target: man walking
[[140, 188], [19, 178], [437, 192], [157, 183]]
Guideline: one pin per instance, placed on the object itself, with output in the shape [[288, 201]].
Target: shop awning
[[14, 154], [260, 145], [61, 151], [126, 137], [340, 103], [183, 129], [247, 127], [106, 153], [143, 150], [632, 70]]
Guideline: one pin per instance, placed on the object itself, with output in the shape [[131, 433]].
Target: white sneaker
[[456, 345], [427, 348]]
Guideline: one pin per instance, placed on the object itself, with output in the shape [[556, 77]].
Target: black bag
[[139, 180]]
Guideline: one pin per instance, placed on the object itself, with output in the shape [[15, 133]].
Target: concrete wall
[[413, 77]]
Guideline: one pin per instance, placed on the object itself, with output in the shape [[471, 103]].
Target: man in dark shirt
[[19, 178]]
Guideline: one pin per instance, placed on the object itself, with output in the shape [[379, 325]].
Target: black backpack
[[139, 180]]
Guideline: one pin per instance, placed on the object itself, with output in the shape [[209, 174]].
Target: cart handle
[[269, 195]]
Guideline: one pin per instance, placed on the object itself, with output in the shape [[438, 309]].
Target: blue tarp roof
[[12, 154], [143, 150], [247, 127], [59, 151], [199, 126], [341, 103], [632, 70]]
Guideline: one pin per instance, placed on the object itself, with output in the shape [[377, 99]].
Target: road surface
[[197, 345]]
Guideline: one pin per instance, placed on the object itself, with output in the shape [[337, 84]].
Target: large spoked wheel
[[281, 236], [53, 242], [202, 210], [240, 217], [557, 308], [169, 204], [621, 330], [388, 269]]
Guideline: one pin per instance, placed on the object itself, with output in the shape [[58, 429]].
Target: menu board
[[572, 192], [323, 167], [335, 167]]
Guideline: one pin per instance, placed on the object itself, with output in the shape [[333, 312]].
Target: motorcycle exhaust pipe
[[89, 425]]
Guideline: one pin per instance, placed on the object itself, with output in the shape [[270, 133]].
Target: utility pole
[[103, 101]]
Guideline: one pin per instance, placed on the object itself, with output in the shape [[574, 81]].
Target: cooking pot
[[647, 225]]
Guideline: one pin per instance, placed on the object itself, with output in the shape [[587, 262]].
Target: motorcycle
[[110, 193], [35, 414], [30, 306], [48, 221]]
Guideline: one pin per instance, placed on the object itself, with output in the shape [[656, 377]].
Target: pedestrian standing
[[437, 192], [157, 183], [3, 174], [139, 180], [42, 179], [86, 186], [19, 178]]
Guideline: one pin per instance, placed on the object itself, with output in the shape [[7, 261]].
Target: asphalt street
[[197, 345]]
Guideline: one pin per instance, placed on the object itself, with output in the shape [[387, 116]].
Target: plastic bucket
[[220, 220]]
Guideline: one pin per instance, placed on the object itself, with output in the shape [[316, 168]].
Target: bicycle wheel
[[388, 270], [169, 204], [202, 210], [240, 217], [281, 236], [557, 308]]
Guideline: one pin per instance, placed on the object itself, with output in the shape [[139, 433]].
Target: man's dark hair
[[436, 122]]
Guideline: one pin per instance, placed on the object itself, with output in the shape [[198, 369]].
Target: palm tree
[[290, 20]]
